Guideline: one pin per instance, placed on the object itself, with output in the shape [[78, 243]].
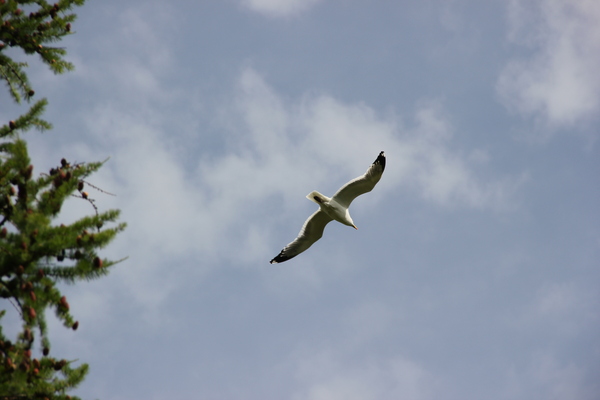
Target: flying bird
[[335, 208]]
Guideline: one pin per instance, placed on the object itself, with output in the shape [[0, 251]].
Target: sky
[[474, 273]]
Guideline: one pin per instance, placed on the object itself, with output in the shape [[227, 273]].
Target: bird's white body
[[334, 208]]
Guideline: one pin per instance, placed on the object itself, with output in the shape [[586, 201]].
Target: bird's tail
[[317, 197]]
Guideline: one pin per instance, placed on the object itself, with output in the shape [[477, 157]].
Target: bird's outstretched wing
[[311, 231], [362, 184]]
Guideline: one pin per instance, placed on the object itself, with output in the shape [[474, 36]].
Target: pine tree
[[36, 254]]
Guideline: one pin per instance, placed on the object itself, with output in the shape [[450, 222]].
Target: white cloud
[[559, 84], [279, 8], [181, 208], [279, 149], [564, 307], [326, 377], [183, 203], [546, 377], [319, 134]]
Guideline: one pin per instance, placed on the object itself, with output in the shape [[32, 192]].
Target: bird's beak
[[355, 227]]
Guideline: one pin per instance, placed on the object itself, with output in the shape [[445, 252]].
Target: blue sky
[[475, 270]]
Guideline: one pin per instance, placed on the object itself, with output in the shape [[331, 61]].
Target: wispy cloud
[[326, 377], [319, 134], [279, 8], [558, 84], [546, 377], [276, 150], [562, 307], [188, 207]]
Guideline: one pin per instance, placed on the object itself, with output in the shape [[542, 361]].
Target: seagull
[[335, 208]]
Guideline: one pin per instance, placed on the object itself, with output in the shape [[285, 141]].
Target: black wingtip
[[380, 160], [280, 258]]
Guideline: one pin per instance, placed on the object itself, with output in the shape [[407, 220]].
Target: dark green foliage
[[36, 253], [31, 26]]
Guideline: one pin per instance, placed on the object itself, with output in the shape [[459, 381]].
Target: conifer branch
[[29, 242], [11, 71], [98, 189]]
